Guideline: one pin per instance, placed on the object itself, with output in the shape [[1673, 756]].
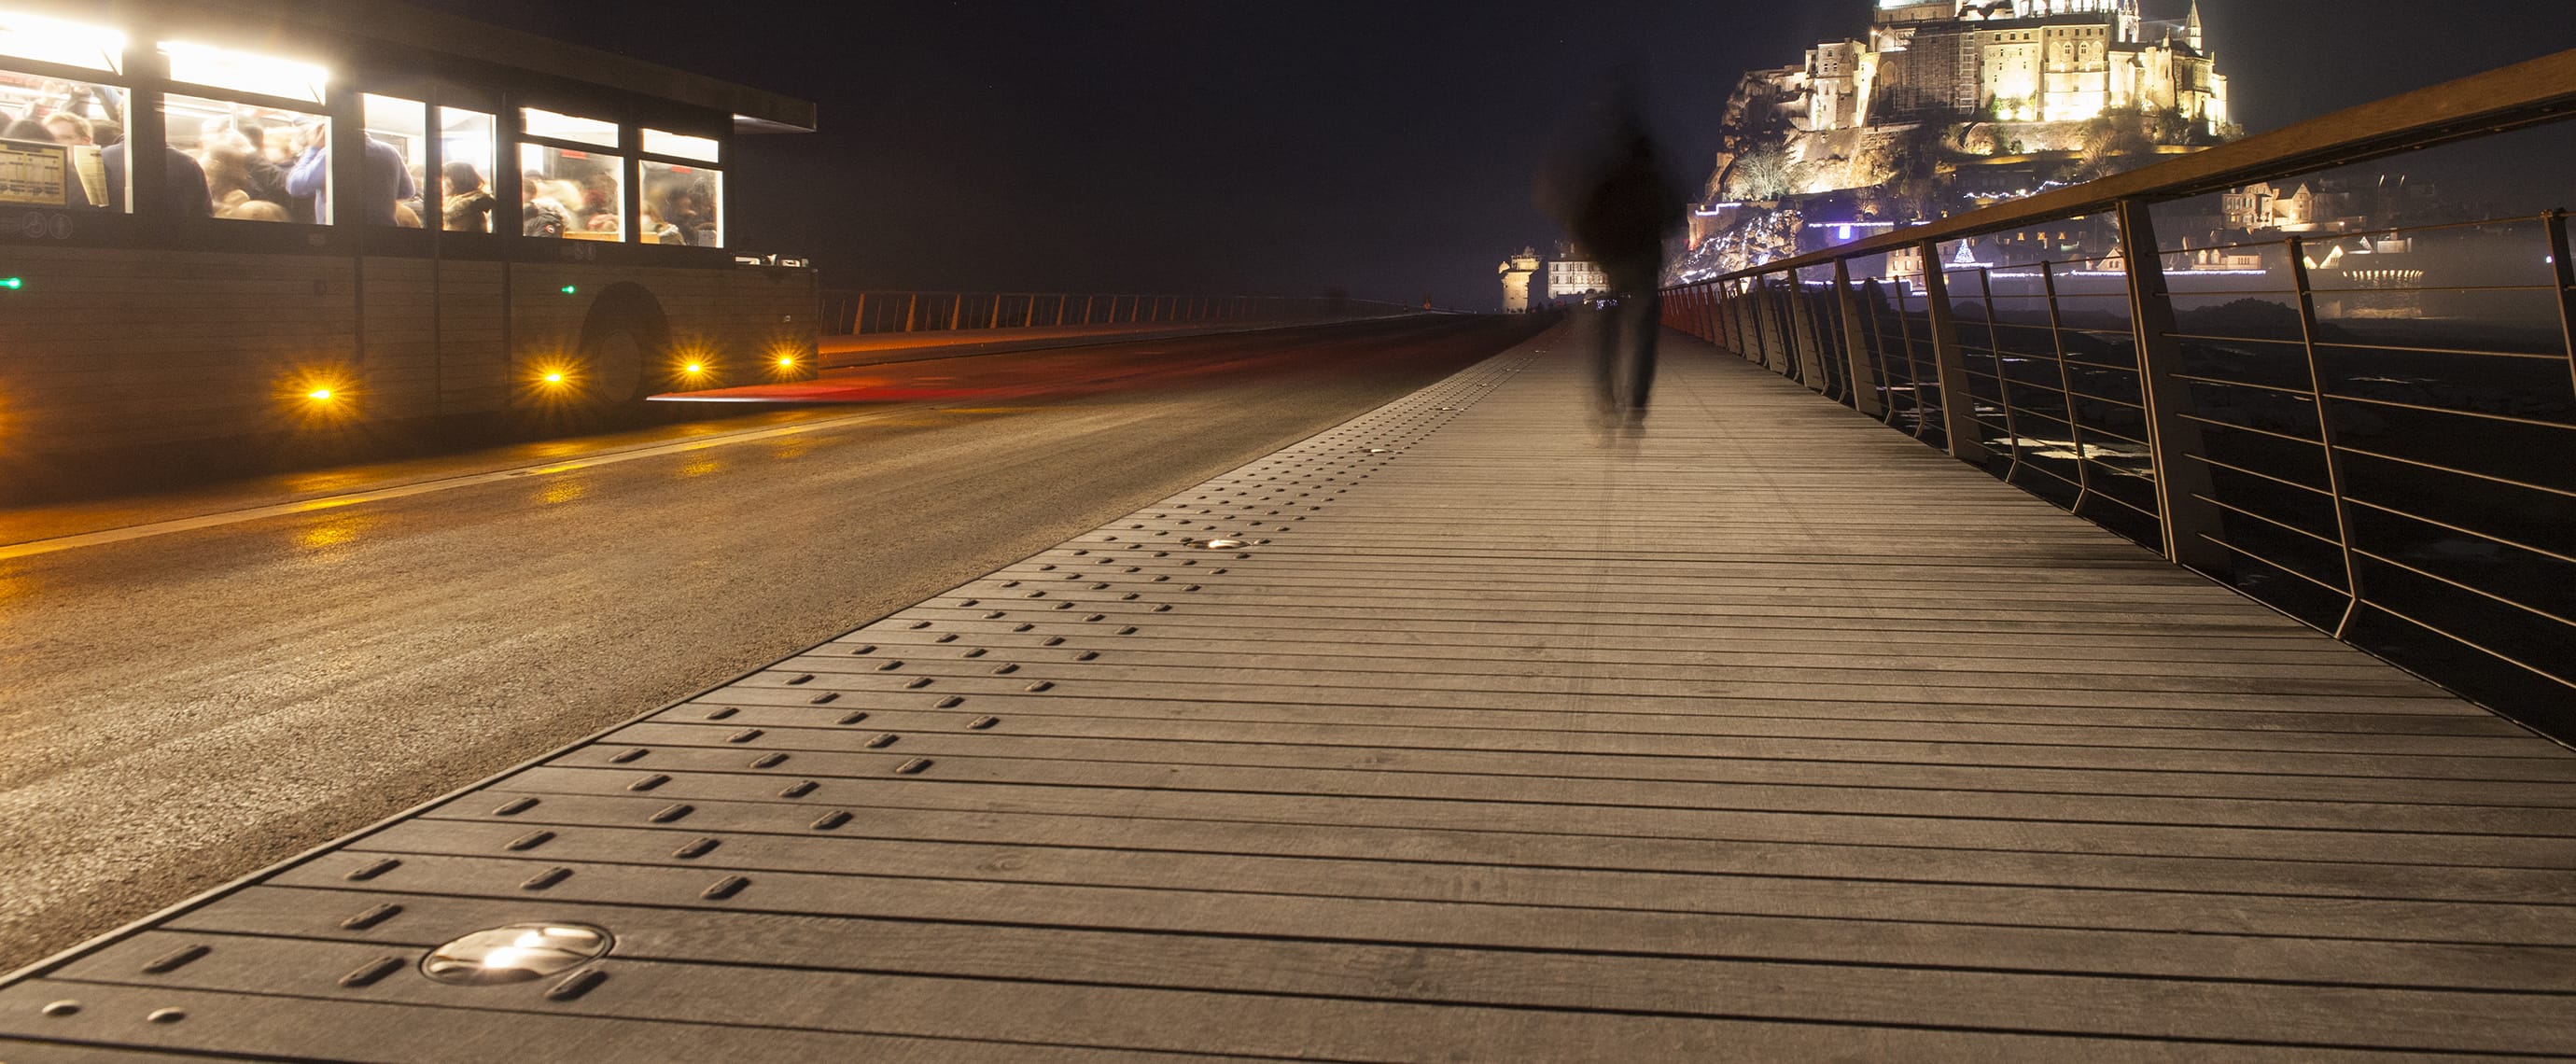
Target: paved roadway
[[206, 683]]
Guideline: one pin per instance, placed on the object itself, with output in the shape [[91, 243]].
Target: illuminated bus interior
[[257, 130]]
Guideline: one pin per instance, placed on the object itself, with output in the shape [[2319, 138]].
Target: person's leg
[[1601, 330], [1645, 328]]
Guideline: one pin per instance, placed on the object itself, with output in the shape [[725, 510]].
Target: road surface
[[203, 683]]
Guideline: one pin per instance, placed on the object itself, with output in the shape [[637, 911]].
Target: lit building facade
[[1573, 275]]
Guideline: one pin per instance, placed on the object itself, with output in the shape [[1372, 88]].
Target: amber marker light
[[319, 395], [787, 361], [694, 368], [554, 378]]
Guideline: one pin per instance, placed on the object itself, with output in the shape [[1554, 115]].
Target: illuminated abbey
[[1947, 105], [2011, 60]]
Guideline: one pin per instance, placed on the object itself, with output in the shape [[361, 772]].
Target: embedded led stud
[[516, 954]]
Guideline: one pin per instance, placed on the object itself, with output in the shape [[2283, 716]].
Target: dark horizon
[[1168, 146]]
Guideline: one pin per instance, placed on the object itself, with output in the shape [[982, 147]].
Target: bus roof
[[753, 110]]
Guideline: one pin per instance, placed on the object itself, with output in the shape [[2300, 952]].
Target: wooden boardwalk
[[1774, 736]]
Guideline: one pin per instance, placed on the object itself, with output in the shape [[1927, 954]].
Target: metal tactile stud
[[176, 959], [372, 869], [370, 918], [367, 974]]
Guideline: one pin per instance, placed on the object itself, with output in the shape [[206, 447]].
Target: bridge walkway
[[1773, 735]]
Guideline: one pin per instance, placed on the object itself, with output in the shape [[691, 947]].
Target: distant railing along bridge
[[2387, 453], [851, 313]]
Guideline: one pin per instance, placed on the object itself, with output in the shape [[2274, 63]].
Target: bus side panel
[[474, 363], [748, 317], [402, 367], [545, 324], [109, 349]]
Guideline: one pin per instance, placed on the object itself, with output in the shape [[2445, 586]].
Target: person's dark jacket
[[184, 184], [1623, 218]]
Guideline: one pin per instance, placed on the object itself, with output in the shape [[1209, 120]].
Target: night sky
[[1385, 146]]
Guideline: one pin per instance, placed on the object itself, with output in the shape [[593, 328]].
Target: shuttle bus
[[223, 219]]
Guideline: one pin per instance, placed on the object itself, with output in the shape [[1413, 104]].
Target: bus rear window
[[261, 164], [680, 205], [53, 136], [573, 194]]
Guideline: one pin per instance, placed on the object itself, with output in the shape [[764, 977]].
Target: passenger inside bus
[[578, 193], [387, 182], [241, 181], [238, 147], [465, 206], [78, 115], [540, 213]]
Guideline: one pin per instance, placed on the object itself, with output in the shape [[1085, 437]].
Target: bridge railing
[[851, 313], [2372, 429]]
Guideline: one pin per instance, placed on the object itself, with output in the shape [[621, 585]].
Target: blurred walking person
[[1618, 204]]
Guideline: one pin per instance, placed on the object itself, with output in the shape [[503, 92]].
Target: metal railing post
[[2326, 433], [2565, 273], [956, 309], [994, 321], [1958, 401], [911, 309], [2191, 523], [1864, 377], [1766, 326], [2066, 389]]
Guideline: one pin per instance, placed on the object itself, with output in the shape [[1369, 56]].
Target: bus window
[[548, 125], [569, 193], [403, 127], [259, 163], [259, 75], [61, 43], [681, 205], [53, 140], [465, 141], [679, 146]]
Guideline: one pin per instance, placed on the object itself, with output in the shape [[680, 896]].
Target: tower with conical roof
[[2191, 28]]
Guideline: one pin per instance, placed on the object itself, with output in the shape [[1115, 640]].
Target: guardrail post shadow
[[2066, 389], [1803, 340], [2326, 433], [2565, 272], [2191, 523], [1739, 320], [1958, 401], [1864, 376]]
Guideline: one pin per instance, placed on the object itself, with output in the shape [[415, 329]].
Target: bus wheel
[[624, 334]]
